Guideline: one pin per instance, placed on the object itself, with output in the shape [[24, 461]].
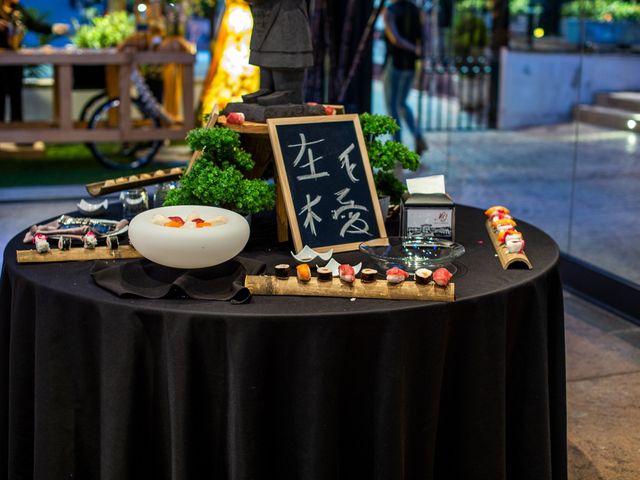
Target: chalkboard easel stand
[[255, 140]]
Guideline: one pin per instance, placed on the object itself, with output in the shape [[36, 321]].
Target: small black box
[[428, 214]]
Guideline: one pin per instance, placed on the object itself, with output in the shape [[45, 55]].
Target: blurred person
[[14, 21], [403, 32]]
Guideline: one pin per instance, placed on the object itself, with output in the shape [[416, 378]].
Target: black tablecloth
[[98, 387]]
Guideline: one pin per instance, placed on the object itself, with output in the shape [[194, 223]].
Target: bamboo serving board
[[98, 188], [269, 285], [506, 259], [77, 254]]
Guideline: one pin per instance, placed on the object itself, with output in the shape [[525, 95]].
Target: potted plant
[[102, 32], [218, 176], [601, 21], [385, 156]]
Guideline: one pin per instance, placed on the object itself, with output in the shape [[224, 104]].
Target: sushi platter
[[77, 254], [507, 241], [133, 181], [407, 290]]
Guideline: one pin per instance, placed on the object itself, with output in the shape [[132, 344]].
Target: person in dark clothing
[[14, 21], [281, 47], [403, 31]]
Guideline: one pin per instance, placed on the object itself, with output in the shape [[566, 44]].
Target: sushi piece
[[303, 272], [346, 273], [423, 276], [442, 276], [41, 243], [514, 242], [496, 208], [396, 275], [112, 242], [504, 224], [64, 243], [282, 271], [90, 240], [502, 235], [368, 275], [324, 274]]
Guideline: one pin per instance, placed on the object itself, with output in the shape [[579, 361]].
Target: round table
[[96, 386]]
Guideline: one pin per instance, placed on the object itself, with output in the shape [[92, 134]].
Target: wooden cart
[[123, 126]]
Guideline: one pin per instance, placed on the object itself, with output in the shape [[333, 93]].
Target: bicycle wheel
[[88, 107], [123, 155]]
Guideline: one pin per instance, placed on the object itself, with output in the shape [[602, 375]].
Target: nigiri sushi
[[396, 275], [496, 208], [442, 276], [346, 273], [304, 272]]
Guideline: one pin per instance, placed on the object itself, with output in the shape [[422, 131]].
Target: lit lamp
[[230, 76]]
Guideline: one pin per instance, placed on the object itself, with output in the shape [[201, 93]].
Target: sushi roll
[[303, 272], [112, 242], [324, 274], [368, 275], [41, 243], [396, 275], [64, 243], [442, 276], [346, 273], [423, 276], [282, 271]]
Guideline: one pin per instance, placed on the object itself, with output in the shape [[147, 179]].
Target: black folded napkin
[[146, 279]]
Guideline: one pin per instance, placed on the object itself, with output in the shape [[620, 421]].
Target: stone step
[[608, 117], [624, 100]]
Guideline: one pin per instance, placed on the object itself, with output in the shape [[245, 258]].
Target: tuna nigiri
[[442, 276], [396, 275], [346, 273]]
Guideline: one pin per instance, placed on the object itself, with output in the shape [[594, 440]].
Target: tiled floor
[[603, 388]]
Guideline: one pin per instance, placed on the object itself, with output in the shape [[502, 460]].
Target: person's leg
[[266, 86], [390, 85], [405, 82], [287, 87], [15, 93]]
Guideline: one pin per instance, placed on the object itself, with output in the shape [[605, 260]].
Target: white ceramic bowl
[[189, 247]]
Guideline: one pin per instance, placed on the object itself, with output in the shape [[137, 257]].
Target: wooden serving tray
[[98, 188], [77, 254], [507, 259], [407, 290]]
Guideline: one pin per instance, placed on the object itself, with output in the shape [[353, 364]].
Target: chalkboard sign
[[326, 180]]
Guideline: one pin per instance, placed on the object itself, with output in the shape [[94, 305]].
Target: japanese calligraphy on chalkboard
[[326, 180]]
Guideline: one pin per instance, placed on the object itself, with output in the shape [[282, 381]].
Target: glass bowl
[[412, 253]]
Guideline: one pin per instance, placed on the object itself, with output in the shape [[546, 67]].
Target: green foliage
[[604, 10], [104, 32], [221, 146], [217, 176], [375, 125], [385, 156], [388, 183], [470, 34]]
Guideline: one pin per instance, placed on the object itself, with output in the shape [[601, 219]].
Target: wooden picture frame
[[339, 129]]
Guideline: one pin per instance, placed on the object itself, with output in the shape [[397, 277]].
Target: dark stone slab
[[258, 113]]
